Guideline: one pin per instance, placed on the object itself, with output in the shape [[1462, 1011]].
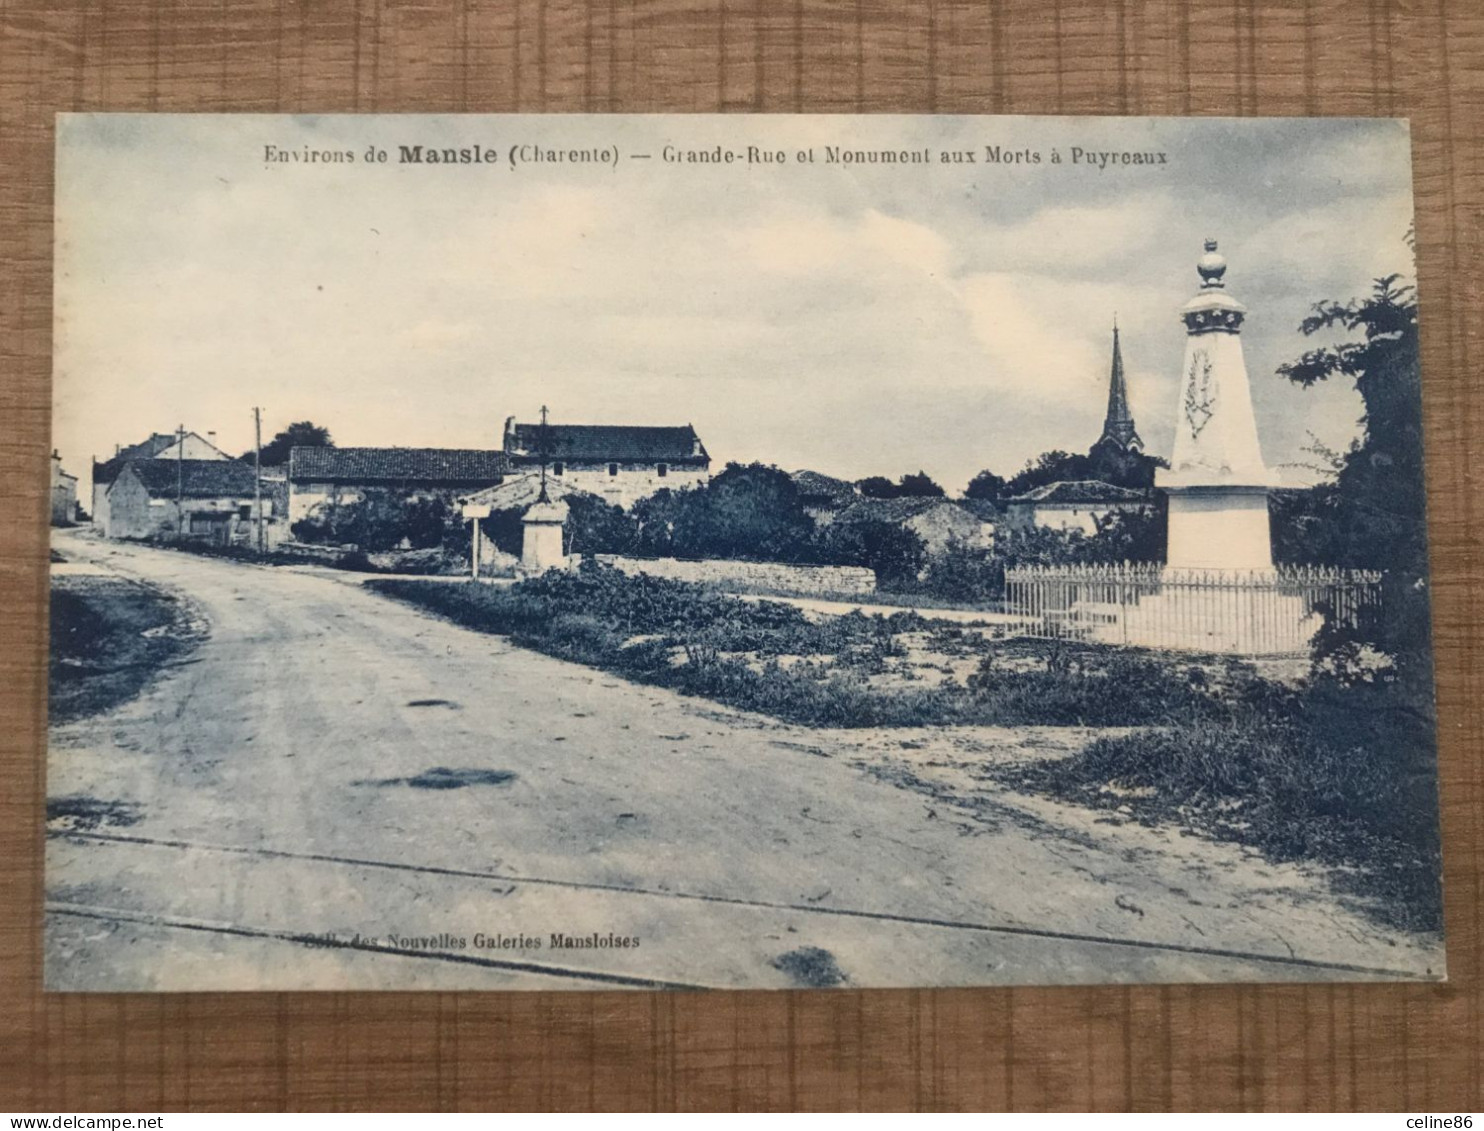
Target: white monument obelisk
[[1217, 482]]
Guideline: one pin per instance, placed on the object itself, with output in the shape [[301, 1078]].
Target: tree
[[1049, 467], [1121, 466], [596, 526], [1107, 463], [747, 511], [986, 485], [753, 510], [877, 487], [919, 486], [1136, 535], [1371, 513], [302, 434]]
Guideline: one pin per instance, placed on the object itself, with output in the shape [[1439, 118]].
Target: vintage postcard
[[523, 552]]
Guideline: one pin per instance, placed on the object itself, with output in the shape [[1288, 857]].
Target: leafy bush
[[596, 526], [747, 511], [896, 554], [972, 575], [964, 573], [384, 519]]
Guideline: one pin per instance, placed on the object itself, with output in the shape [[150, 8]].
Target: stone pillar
[[1217, 481], [541, 544]]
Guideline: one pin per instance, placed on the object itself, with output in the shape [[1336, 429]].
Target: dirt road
[[336, 790]]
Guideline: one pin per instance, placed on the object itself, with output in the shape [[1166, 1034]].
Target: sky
[[857, 319]]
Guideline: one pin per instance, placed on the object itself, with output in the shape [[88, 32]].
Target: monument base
[[1219, 528], [541, 544]]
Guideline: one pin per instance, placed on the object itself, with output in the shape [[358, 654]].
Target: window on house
[[613, 469], [558, 468], [662, 470], [244, 512]]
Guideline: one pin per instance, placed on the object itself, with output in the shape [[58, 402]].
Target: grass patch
[[109, 638], [769, 657], [1343, 776]]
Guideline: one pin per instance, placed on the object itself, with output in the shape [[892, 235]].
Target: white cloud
[[856, 320]]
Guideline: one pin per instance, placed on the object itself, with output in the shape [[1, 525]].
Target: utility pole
[[180, 482], [257, 473]]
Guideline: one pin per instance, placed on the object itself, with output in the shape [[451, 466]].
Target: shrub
[[895, 553], [384, 519], [1090, 687], [748, 511], [964, 573]]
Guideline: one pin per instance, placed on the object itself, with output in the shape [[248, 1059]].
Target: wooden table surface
[[1406, 1047]]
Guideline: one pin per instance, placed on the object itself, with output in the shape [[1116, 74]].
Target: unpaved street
[[329, 767]]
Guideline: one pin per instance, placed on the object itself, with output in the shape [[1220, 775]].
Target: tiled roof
[[107, 471], [148, 449], [816, 485], [1082, 491], [521, 491], [896, 510], [194, 478], [453, 466], [601, 442]]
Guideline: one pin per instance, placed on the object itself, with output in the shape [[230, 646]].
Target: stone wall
[[773, 576]]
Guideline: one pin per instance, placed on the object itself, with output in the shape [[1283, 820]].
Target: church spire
[[1118, 425]]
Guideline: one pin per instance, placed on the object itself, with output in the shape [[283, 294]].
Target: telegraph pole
[[180, 482], [257, 473]]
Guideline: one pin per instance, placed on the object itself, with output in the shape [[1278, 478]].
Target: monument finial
[[1211, 266], [1212, 310]]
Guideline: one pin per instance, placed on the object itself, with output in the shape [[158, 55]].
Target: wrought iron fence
[[1247, 612]]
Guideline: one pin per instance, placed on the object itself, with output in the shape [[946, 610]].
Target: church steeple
[[1118, 425]]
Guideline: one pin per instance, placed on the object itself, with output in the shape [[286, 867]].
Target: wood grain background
[[1405, 1047]]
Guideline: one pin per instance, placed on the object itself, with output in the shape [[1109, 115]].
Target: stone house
[[64, 494], [1073, 505], [204, 499], [319, 476], [939, 522], [160, 445], [619, 463]]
